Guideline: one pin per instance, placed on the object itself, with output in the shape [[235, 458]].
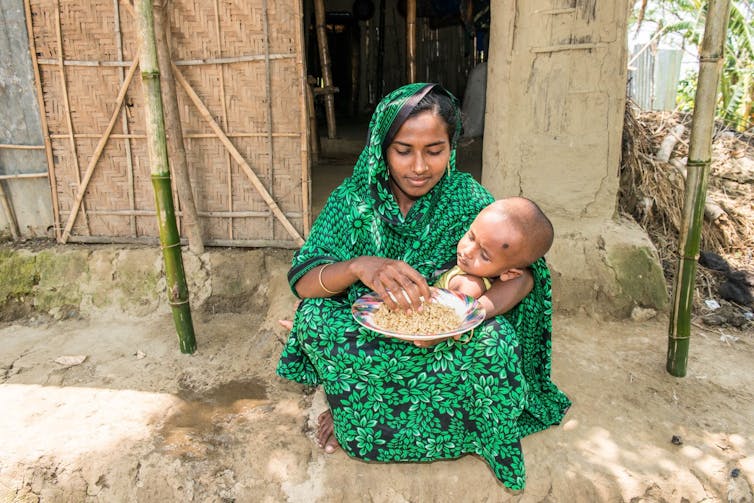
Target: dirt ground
[[136, 420]]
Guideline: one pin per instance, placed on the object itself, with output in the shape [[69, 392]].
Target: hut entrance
[[366, 44]]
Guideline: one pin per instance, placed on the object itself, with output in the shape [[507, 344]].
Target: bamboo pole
[[304, 103], [178, 294], [43, 121], [9, 213], [176, 149], [268, 98], [380, 51], [67, 104], [324, 58], [252, 176], [98, 152], [124, 121], [224, 117], [698, 166], [411, 41]]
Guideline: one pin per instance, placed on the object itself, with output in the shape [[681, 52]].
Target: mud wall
[[556, 92]]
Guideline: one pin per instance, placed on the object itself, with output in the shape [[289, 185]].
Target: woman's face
[[417, 157]]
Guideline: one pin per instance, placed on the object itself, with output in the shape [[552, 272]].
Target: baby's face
[[490, 247]]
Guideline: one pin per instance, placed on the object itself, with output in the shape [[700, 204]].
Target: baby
[[504, 239]]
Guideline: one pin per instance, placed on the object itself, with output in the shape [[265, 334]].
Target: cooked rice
[[434, 318]]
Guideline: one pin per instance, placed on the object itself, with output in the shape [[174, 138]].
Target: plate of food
[[446, 314]]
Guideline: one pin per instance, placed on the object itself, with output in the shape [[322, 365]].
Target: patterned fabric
[[391, 400]]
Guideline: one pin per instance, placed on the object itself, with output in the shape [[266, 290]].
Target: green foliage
[[682, 21]]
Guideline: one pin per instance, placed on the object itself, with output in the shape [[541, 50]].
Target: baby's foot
[[325, 434]]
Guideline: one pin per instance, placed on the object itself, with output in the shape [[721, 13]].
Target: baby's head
[[506, 237]]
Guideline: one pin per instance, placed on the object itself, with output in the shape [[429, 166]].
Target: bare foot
[[286, 324], [325, 434]]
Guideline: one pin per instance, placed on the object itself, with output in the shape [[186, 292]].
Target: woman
[[388, 228]]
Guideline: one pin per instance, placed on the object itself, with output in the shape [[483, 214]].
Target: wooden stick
[[224, 117], [182, 62], [98, 151], [23, 175], [133, 136], [201, 107], [411, 41], [43, 121], [306, 96], [324, 58], [174, 128], [209, 214], [313, 133], [124, 123], [9, 213], [21, 147], [236, 243], [67, 104], [268, 95]]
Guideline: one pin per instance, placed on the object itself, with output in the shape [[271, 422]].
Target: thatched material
[[651, 191], [246, 64]]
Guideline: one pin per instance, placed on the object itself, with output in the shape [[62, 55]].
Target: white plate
[[466, 308]]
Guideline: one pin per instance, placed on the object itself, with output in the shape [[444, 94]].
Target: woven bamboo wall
[[244, 62]]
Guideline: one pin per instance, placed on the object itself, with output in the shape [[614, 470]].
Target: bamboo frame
[[305, 134], [411, 41], [67, 104], [124, 122], [23, 175], [43, 121], [176, 148], [180, 62], [98, 152], [186, 135], [21, 147], [224, 117], [144, 240], [9, 213], [209, 214], [268, 95], [324, 58], [256, 182]]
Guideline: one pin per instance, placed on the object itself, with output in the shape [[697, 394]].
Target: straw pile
[[653, 168]]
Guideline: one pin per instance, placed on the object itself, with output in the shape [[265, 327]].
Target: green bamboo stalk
[[178, 295], [698, 165]]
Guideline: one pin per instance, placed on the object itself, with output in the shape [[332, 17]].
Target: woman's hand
[[398, 284]]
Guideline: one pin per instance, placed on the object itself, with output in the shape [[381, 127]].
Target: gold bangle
[[322, 285]]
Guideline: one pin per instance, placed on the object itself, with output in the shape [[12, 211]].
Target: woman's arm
[[505, 295], [399, 284]]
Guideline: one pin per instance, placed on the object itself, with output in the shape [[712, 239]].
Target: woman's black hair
[[436, 100], [439, 102]]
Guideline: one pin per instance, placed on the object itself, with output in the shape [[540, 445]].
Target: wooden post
[[9, 213], [411, 41], [324, 58], [176, 149], [698, 166], [314, 135], [178, 294]]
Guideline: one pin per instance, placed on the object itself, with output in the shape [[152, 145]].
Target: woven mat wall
[[97, 42]]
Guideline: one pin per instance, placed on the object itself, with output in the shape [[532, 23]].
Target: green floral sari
[[391, 400]]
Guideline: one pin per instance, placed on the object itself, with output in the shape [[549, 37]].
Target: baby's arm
[[473, 286], [505, 295]]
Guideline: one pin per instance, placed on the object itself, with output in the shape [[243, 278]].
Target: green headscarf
[[362, 217]]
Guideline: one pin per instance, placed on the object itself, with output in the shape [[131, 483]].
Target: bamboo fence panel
[[245, 62]]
